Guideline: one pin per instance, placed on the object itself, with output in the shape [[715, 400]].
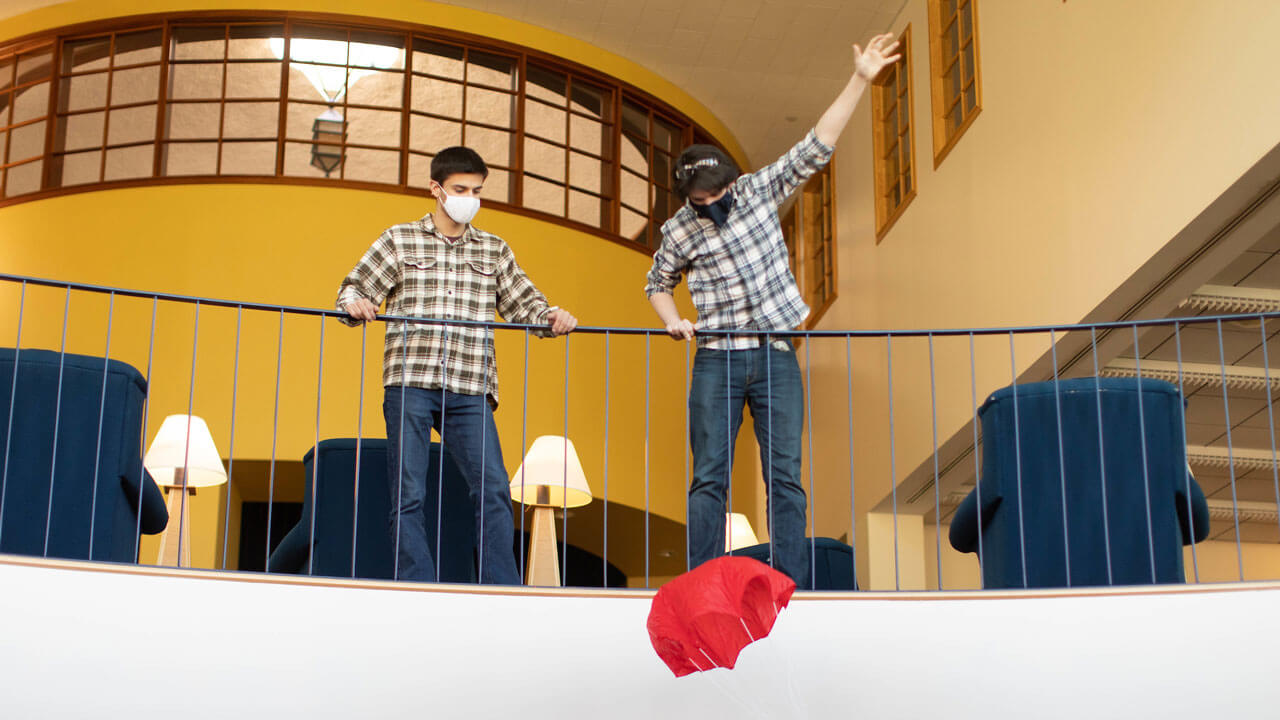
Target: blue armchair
[[93, 491], [1132, 533], [339, 509], [831, 562]]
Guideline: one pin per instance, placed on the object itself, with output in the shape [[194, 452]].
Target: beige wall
[[1105, 128]]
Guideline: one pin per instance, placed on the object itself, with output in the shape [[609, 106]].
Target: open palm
[[870, 62]]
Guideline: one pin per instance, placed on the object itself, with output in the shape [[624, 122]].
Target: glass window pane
[[951, 83], [198, 43], [86, 54], [4, 136], [544, 159], [665, 205], [256, 42], [297, 161], [545, 121], [666, 136], [130, 162], [379, 166], [373, 127], [662, 164], [593, 101], [968, 62], [587, 135], [438, 97], [35, 65], [376, 51], [138, 47], [966, 21], [492, 71], [970, 97], [544, 196], [495, 146], [250, 120], [309, 81], [137, 124], [955, 118], [491, 107], [586, 173], [248, 158], [374, 87], [635, 120], [82, 92], [586, 208], [546, 85], [635, 155], [951, 42], [77, 132], [635, 191], [430, 135], [632, 224], [136, 85], [891, 124], [7, 66], [31, 103], [438, 59], [498, 186], [79, 168], [196, 81], [23, 179], [194, 120], [26, 142], [420, 172], [948, 9], [190, 159], [253, 80]]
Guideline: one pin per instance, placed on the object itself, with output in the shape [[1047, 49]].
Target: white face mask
[[462, 208]]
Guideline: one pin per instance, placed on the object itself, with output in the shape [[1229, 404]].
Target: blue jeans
[[465, 422], [767, 380]]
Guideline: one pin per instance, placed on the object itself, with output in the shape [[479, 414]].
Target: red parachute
[[703, 618]]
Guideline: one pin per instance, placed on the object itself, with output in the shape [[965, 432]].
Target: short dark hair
[[703, 167], [457, 160]]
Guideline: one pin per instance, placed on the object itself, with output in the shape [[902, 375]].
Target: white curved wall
[[80, 641]]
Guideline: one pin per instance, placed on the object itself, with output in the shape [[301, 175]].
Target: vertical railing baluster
[[688, 476], [853, 510], [604, 530], [146, 410], [484, 450], [1142, 443], [102, 410], [315, 462], [1062, 459], [647, 345], [564, 480], [396, 511], [355, 491], [770, 510], [812, 505], [1017, 453], [57, 417], [186, 448], [1191, 518], [524, 446], [1102, 456], [13, 400], [1231, 462], [977, 465], [231, 443], [271, 466], [937, 498], [444, 412], [893, 468]]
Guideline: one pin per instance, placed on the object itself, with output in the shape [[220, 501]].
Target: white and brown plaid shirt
[[423, 274], [739, 275]]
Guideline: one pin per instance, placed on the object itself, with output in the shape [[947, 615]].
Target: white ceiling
[[766, 68]]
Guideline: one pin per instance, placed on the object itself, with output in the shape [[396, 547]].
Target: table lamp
[[738, 532], [182, 457], [550, 477]]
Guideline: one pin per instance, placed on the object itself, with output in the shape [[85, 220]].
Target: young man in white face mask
[[728, 239], [445, 377]]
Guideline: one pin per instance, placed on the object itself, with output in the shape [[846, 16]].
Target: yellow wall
[[1106, 127]]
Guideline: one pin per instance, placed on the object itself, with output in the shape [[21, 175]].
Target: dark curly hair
[[703, 167]]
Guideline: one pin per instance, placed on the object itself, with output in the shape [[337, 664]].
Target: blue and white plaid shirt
[[739, 275]]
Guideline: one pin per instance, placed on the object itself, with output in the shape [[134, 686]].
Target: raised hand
[[867, 64]]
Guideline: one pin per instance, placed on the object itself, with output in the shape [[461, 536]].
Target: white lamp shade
[[738, 532], [183, 441], [552, 467]]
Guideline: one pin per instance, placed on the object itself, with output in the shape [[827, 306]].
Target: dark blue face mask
[[718, 211]]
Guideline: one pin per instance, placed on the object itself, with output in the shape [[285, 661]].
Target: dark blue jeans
[[465, 422], [767, 380]]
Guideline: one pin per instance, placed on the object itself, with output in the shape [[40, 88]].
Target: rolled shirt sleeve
[[778, 180], [372, 278]]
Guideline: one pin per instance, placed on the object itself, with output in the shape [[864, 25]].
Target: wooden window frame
[[610, 146], [938, 27], [881, 145]]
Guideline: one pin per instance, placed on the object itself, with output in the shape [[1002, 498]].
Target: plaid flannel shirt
[[421, 273], [739, 275]]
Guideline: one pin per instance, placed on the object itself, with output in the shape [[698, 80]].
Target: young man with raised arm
[[445, 377], [728, 239]]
